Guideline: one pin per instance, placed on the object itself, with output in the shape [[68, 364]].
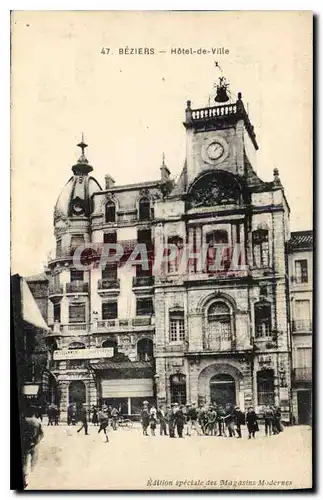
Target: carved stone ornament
[[144, 192], [210, 191]]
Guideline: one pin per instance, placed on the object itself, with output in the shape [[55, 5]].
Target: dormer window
[[110, 212]]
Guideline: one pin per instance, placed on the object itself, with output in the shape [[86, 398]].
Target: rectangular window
[[176, 327], [77, 275], [110, 238], [260, 245], [301, 272], [57, 312], [77, 240], [56, 279], [145, 306], [109, 310], [110, 272], [303, 357], [77, 313], [58, 248]]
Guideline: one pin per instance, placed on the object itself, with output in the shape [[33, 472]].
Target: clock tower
[[219, 137]]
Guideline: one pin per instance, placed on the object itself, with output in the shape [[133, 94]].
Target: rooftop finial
[[82, 144], [82, 165], [163, 158]]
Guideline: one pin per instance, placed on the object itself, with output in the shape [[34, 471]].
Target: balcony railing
[[125, 324], [55, 289], [302, 374], [302, 325], [139, 281], [70, 327], [109, 284], [215, 111], [77, 287]]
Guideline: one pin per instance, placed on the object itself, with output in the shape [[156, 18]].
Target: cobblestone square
[[68, 460]]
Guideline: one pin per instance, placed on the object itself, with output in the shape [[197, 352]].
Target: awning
[[29, 309], [121, 388], [109, 365]]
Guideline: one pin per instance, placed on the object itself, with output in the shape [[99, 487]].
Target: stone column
[[63, 388], [91, 393]]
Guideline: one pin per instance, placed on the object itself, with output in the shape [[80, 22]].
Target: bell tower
[[219, 137]]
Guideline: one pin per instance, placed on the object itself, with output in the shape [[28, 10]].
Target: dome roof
[[75, 198]]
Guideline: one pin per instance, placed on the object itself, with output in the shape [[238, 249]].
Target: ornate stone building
[[176, 334]]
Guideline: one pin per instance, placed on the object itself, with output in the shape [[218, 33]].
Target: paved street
[[68, 460]]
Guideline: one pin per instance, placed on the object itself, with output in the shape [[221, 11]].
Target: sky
[[131, 106]]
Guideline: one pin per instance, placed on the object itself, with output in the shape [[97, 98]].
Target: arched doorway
[[77, 392], [223, 390]]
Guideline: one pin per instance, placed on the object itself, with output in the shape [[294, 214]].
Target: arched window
[[113, 344], [263, 319], [265, 387], [176, 326], [178, 388], [144, 209], [110, 212], [145, 350], [219, 327], [260, 245]]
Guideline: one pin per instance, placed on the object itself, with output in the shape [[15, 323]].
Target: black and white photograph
[[162, 249]]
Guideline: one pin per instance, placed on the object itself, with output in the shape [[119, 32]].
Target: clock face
[[215, 150], [78, 208]]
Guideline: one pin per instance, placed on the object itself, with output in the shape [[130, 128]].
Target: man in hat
[[239, 420], [252, 424], [172, 420], [179, 419]]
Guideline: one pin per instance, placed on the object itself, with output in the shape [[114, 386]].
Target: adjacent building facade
[[124, 334], [300, 262]]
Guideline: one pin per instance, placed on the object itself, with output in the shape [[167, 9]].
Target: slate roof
[[301, 240]]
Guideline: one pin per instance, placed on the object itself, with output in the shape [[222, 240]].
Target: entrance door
[[223, 390], [304, 401]]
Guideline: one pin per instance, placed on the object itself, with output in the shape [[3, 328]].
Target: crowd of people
[[182, 420]]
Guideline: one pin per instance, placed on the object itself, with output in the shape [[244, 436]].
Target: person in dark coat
[[161, 415], [252, 424], [172, 421], [71, 414], [220, 421], [103, 418], [31, 435], [95, 418], [83, 419], [179, 420], [269, 420], [145, 420], [229, 420], [277, 425], [239, 420]]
